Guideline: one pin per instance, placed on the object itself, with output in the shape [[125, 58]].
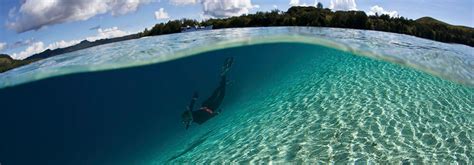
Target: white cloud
[[316, 3], [343, 5], [226, 8], [379, 10], [294, 2], [220, 8], [299, 3], [3, 45], [11, 12], [35, 14], [34, 48], [161, 14], [275, 6], [107, 33], [62, 44], [38, 47], [182, 2], [21, 43]]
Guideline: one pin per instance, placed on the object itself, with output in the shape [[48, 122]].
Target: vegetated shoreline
[[426, 27]]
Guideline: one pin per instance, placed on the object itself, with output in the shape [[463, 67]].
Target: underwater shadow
[[193, 145]]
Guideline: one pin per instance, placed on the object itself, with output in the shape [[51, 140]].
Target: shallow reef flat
[[340, 108]]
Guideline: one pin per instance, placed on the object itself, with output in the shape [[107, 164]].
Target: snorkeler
[[210, 107]]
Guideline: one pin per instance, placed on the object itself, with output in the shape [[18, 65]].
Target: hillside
[[441, 31], [7, 63], [82, 45], [429, 20]]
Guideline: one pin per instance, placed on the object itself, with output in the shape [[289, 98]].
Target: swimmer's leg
[[217, 96]]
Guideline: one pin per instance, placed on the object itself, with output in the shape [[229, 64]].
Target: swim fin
[[227, 64]]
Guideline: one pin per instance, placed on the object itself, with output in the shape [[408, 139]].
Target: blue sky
[[31, 26]]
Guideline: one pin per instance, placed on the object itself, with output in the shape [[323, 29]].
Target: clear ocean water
[[360, 98]]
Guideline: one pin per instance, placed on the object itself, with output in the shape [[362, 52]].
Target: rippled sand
[[339, 108]]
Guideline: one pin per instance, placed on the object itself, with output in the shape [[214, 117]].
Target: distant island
[[425, 27]]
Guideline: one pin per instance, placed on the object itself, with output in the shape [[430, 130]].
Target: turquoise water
[[336, 107], [311, 95]]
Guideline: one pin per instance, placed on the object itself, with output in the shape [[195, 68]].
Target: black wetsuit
[[211, 104]]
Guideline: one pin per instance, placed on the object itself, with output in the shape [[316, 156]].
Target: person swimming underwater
[[210, 107]]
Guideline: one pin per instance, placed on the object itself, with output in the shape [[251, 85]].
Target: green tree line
[[425, 27]]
